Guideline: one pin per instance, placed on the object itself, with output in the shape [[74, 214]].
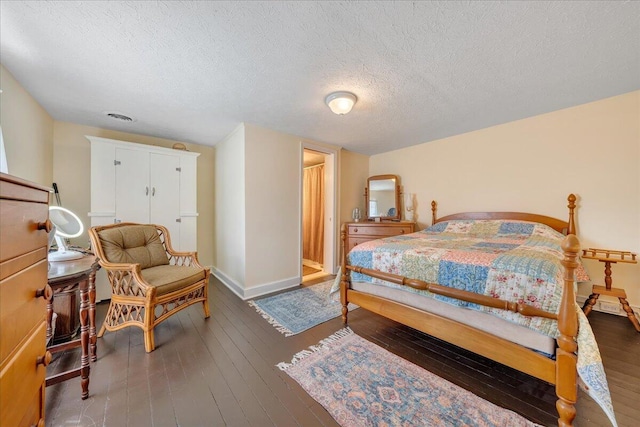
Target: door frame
[[331, 223]]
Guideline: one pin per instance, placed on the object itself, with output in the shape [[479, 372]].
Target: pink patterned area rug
[[362, 384]]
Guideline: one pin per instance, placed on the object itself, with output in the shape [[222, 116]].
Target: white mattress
[[478, 319]]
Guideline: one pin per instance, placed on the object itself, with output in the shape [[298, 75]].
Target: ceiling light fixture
[[341, 102]]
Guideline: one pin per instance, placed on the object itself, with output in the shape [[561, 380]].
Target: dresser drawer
[[33, 415], [15, 188], [358, 233], [20, 310], [19, 227], [381, 230], [22, 377], [355, 241]]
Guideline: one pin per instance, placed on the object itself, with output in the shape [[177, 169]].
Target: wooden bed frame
[[560, 372]]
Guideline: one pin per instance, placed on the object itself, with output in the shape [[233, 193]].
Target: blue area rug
[[296, 311], [362, 384]]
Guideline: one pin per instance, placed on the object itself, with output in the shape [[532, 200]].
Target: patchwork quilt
[[512, 260]]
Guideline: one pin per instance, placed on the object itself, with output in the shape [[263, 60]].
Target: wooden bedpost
[[344, 279], [572, 208], [566, 359], [434, 208]]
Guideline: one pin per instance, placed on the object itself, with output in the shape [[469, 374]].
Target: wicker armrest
[[184, 254], [183, 258], [117, 265], [117, 274]]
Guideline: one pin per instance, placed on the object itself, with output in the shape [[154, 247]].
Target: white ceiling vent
[[119, 116]]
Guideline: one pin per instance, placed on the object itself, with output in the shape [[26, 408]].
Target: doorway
[[318, 213]]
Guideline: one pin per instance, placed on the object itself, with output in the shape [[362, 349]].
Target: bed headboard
[[565, 227]]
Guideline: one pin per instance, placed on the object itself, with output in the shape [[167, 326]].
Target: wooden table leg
[[630, 313], [85, 368], [589, 303], [93, 339], [49, 319]]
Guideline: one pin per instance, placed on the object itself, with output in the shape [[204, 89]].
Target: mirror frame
[[367, 193]]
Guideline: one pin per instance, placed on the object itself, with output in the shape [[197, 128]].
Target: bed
[[374, 277]]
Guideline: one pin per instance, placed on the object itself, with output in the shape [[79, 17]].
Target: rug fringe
[[283, 366], [280, 328], [344, 332]]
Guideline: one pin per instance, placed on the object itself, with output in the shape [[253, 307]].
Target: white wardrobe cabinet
[[145, 184], [148, 190]]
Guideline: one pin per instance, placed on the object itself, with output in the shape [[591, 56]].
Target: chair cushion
[[169, 278], [139, 244]]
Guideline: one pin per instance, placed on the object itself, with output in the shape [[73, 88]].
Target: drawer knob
[[355, 230], [45, 292], [401, 231], [47, 226], [44, 360]]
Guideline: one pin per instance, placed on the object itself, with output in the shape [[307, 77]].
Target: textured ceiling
[[192, 71]]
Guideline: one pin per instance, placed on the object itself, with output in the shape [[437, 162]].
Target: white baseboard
[[268, 288], [256, 291], [228, 282], [609, 307]]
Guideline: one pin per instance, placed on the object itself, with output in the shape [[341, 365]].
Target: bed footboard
[[562, 372], [344, 279], [566, 359]]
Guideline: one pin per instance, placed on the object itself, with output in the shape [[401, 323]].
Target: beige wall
[[354, 171], [71, 172], [27, 131], [229, 232], [273, 172], [259, 239], [531, 165]]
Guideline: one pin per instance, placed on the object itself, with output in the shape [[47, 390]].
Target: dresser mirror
[[382, 197]]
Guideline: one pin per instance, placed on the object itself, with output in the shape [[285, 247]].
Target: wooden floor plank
[[248, 343], [217, 344], [270, 404]]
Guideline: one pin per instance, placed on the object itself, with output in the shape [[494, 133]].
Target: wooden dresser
[[23, 295], [360, 232]]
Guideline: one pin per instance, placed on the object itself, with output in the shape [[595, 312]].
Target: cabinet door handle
[[46, 226], [146, 191], [153, 191], [45, 292], [44, 360]]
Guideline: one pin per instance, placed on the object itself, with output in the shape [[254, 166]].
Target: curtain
[[313, 213]]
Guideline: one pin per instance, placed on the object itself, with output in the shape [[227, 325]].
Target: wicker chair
[[149, 280]]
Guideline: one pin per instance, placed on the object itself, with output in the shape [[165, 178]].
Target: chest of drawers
[[360, 232], [23, 294]]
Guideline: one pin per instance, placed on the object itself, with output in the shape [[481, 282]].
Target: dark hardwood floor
[[221, 371]]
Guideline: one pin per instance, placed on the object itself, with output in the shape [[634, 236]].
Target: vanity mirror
[[382, 197]]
